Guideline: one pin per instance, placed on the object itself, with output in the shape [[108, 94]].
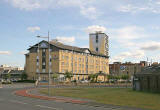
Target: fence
[[146, 82]]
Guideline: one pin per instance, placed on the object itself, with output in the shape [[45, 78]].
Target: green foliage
[[92, 77], [8, 76], [24, 76], [55, 76], [68, 75], [125, 77], [26, 81]]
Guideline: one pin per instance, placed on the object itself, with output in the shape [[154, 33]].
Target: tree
[[91, 77], [24, 76], [68, 75], [55, 76], [125, 77]]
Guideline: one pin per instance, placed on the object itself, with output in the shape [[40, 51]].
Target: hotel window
[[62, 57], [66, 57], [43, 66], [63, 71], [43, 70], [97, 49], [43, 50], [96, 38], [37, 70], [79, 59], [62, 63]]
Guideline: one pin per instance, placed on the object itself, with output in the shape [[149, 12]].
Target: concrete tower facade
[[99, 42]]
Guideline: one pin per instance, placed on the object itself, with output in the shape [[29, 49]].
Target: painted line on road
[[42, 106], [16, 101]]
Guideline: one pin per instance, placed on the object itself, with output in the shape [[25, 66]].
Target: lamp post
[[49, 76]]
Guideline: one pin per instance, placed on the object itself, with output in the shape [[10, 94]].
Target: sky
[[133, 26]]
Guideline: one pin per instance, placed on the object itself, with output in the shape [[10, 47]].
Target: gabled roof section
[[36, 45], [70, 48]]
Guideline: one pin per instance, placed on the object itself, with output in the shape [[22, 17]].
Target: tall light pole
[[49, 76], [38, 61]]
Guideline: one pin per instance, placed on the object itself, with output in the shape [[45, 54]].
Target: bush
[[6, 82], [26, 81]]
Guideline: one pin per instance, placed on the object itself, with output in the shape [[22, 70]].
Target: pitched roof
[[71, 48]]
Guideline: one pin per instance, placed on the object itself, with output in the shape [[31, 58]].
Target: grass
[[115, 96]]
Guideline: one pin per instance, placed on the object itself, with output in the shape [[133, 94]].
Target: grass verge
[[114, 96]]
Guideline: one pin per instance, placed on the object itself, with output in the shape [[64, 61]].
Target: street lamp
[[49, 76]]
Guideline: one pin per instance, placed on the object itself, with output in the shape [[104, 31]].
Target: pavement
[[10, 100]]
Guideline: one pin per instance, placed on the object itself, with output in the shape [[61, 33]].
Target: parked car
[[84, 81], [7, 81]]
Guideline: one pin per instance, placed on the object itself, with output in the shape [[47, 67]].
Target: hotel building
[[79, 61]]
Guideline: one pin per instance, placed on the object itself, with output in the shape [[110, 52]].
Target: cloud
[[150, 6], [150, 46], [5, 52], [25, 4], [90, 12], [85, 7], [33, 29], [95, 28], [128, 32], [66, 40], [136, 54]]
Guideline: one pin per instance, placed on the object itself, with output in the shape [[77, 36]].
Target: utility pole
[[49, 76]]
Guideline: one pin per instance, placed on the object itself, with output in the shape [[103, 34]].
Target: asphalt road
[[9, 101]]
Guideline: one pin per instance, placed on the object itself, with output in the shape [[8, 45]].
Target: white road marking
[[48, 107], [16, 101]]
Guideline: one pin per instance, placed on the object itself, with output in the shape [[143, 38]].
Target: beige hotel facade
[[79, 61]]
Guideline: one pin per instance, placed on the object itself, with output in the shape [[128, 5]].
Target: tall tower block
[[99, 42]]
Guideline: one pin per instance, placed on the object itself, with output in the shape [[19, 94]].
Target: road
[[9, 101]]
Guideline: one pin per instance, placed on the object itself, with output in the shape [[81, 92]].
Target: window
[[62, 63], [62, 57], [43, 70], [97, 49], [96, 38], [43, 66], [79, 59], [63, 71], [44, 50], [37, 70], [44, 63]]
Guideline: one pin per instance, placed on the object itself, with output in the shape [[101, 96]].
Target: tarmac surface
[[9, 100]]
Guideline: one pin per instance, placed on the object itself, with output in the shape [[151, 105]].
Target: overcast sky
[[133, 26]]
